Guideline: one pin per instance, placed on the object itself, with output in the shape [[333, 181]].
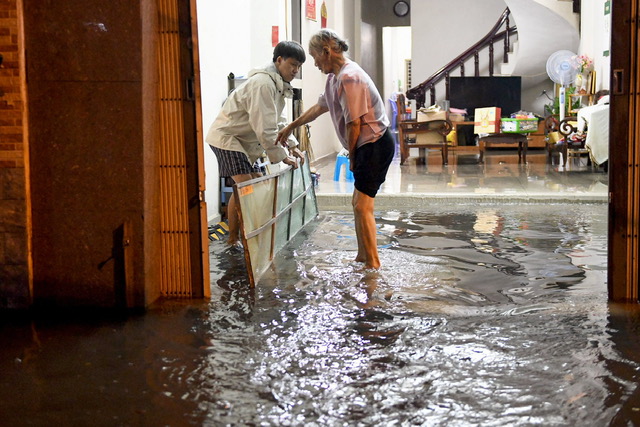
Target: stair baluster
[[506, 44]]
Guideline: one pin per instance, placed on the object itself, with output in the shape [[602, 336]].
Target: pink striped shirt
[[351, 95]]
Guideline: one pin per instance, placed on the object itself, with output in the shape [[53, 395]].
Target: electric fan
[[562, 72]]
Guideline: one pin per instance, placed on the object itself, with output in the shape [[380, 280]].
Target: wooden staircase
[[501, 32], [542, 28]]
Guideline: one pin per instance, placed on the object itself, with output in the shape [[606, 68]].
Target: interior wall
[[369, 55], [375, 16], [564, 9], [396, 45], [223, 49], [534, 99], [596, 40], [323, 136]]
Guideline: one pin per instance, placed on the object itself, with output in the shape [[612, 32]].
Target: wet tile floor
[[487, 312], [500, 177]]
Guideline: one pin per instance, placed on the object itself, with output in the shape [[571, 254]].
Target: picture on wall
[[311, 10]]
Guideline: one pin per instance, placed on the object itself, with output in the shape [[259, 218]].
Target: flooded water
[[481, 315]]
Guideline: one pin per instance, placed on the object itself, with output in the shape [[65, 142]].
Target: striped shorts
[[232, 163]]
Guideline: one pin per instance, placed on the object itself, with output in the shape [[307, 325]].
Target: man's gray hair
[[328, 38]]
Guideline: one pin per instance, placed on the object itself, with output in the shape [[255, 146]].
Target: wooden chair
[[573, 144], [563, 137], [408, 130], [552, 136]]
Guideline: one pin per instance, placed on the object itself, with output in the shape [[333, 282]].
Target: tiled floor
[[500, 178]]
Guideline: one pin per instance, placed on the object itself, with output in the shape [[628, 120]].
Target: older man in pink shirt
[[360, 120]]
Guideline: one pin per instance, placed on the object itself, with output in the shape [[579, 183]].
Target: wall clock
[[401, 8]]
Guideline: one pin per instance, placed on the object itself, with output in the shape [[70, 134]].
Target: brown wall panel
[[92, 111], [15, 263], [84, 41]]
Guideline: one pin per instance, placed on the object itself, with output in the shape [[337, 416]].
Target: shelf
[[589, 102]]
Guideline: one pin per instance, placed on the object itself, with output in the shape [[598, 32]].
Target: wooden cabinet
[[537, 138]]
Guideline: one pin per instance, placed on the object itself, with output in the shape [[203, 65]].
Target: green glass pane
[[260, 253], [282, 231], [306, 174], [310, 206], [297, 211], [256, 202], [284, 191], [298, 186]]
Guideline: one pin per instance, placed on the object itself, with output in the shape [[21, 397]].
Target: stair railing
[[419, 92]]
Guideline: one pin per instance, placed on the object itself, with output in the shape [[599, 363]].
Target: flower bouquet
[[582, 63]]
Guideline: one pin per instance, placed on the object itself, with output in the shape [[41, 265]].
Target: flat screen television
[[476, 92]]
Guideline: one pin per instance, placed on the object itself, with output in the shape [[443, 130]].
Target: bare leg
[[361, 255], [365, 230], [232, 210]]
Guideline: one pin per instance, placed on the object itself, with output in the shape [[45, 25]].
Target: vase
[[580, 83]]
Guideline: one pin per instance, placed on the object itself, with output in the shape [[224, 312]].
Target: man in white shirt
[[249, 122]]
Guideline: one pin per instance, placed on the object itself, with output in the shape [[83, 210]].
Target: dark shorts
[[372, 162], [232, 163]]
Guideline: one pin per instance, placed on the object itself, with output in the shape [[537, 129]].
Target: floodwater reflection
[[481, 315]]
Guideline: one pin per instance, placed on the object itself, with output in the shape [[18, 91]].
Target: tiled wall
[[14, 265]]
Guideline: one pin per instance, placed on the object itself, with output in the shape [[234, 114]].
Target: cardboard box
[[429, 138], [486, 120], [518, 125], [457, 117], [427, 116]]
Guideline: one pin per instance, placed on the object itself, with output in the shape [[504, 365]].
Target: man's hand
[[283, 135], [297, 153], [291, 161]]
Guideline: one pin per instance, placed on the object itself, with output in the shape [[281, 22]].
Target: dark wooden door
[[624, 153]]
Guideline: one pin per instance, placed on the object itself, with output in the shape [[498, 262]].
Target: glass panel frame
[[272, 210]]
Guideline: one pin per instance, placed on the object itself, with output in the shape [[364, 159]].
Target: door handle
[[191, 90], [618, 82]]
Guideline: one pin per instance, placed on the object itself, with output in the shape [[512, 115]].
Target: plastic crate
[[518, 125]]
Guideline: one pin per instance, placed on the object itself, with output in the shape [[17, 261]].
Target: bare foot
[[372, 266], [234, 245]]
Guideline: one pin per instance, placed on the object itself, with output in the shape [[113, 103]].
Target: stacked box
[[427, 116], [487, 120], [457, 117], [518, 125]]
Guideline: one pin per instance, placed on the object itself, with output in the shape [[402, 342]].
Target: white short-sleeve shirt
[[349, 95]]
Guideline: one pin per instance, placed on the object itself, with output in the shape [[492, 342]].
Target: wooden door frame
[[197, 180], [624, 187], [183, 228]]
